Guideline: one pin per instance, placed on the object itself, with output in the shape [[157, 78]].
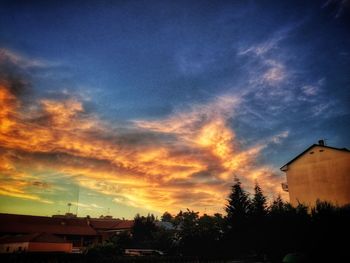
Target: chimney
[[321, 142]]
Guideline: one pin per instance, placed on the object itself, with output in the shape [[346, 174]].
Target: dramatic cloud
[[187, 159]]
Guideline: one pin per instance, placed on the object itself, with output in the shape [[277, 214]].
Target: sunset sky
[[132, 107]]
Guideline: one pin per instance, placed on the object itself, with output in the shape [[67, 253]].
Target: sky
[[125, 107]]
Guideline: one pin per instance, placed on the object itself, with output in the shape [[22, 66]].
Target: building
[[75, 230], [319, 173], [39, 242], [79, 232], [108, 227]]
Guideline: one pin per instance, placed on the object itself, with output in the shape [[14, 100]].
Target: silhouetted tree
[[178, 219], [258, 207], [238, 203], [236, 238], [257, 220], [167, 217], [143, 231], [278, 206]]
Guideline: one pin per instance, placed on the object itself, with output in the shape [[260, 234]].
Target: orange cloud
[[185, 160]]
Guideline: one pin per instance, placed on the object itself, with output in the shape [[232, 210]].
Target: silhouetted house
[[38, 242], [320, 172], [75, 230]]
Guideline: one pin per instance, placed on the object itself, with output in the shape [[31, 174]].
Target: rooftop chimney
[[321, 142]]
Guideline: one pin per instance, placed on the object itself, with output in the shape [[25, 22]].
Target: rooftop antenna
[[325, 141], [69, 205], [322, 142]]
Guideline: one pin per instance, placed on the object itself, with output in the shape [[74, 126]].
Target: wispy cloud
[[275, 74], [310, 90], [339, 7], [9, 56]]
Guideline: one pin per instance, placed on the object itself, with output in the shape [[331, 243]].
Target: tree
[[167, 217], [237, 225], [277, 206], [238, 202], [258, 207], [258, 221], [188, 234], [143, 230]]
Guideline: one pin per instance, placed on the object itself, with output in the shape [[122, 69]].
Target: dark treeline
[[251, 229]]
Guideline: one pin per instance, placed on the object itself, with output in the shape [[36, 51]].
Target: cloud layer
[[187, 159]]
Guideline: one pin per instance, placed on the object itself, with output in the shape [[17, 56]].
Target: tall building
[[320, 172]]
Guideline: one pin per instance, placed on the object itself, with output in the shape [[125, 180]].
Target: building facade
[[319, 173]]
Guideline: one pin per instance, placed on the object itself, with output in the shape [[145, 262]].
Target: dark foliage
[[238, 204], [167, 217], [144, 231], [251, 231]]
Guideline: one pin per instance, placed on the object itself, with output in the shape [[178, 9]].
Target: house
[[319, 173], [75, 230], [37, 242], [81, 232]]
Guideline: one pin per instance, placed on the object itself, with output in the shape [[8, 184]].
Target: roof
[[23, 224], [34, 238], [125, 224], [308, 149], [104, 224], [110, 224]]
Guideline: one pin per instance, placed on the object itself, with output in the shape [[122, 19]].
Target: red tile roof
[[125, 224], [24, 224], [110, 224], [104, 224]]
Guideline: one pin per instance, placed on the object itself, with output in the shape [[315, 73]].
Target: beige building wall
[[321, 173]]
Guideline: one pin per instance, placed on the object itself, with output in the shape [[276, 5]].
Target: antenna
[[322, 142], [69, 205], [325, 141], [78, 200]]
